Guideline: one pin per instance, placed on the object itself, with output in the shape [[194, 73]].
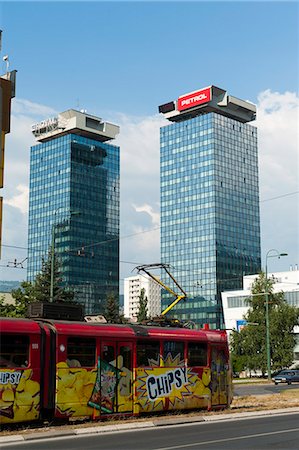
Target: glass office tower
[[210, 224], [74, 205]]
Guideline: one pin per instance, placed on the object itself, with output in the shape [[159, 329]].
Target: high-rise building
[[210, 222], [74, 205], [132, 290]]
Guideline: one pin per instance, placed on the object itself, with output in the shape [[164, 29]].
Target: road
[[261, 389], [263, 433]]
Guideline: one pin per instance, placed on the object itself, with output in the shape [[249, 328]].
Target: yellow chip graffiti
[[73, 390], [161, 389], [19, 396]]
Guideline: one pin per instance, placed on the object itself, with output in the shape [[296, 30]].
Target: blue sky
[[120, 60], [132, 56]]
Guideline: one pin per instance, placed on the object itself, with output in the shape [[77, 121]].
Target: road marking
[[226, 440]]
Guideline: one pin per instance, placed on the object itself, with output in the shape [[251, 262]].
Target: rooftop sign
[[194, 99], [211, 99], [44, 126], [75, 122]]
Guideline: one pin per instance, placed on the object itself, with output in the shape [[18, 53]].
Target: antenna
[[6, 60], [0, 40]]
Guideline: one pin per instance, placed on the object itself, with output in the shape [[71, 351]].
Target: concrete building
[[210, 220], [234, 302], [132, 290], [7, 298], [74, 204], [7, 92]]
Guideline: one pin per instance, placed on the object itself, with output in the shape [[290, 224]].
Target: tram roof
[[133, 331], [18, 325], [126, 331]]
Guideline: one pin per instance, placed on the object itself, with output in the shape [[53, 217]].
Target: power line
[[14, 246], [140, 232], [132, 263], [95, 244], [279, 196]]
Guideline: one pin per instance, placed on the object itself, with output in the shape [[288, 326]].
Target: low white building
[[234, 302], [132, 290]]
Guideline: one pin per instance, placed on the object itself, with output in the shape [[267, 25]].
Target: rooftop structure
[[75, 122], [207, 100]]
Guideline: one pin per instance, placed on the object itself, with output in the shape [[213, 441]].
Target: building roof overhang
[[217, 101]]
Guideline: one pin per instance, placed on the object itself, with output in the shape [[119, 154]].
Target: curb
[[103, 429]]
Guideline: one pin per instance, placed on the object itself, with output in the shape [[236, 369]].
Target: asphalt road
[[262, 389], [263, 433]]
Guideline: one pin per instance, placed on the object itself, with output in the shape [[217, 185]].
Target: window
[[81, 352], [126, 353], [146, 352], [108, 354], [14, 351], [197, 354], [174, 349]]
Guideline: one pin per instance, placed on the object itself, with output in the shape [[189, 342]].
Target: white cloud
[[16, 181], [140, 185], [25, 107], [20, 200], [278, 126], [155, 216], [18, 143]]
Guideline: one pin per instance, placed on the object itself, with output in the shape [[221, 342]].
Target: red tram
[[59, 369]]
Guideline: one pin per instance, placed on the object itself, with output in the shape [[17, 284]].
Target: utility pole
[[268, 349]]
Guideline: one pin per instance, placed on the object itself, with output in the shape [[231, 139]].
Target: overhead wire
[[95, 244]]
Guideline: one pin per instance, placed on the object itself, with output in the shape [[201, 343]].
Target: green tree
[[142, 309], [111, 311], [22, 296], [37, 291], [248, 347], [42, 284]]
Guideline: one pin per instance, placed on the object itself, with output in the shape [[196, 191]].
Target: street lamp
[[72, 213], [268, 255]]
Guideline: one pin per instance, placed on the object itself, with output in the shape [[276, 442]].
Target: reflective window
[[148, 353], [197, 354], [174, 350], [14, 351], [210, 224], [74, 199], [81, 352]]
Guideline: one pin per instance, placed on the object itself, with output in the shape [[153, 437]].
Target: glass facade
[[210, 223], [74, 199]]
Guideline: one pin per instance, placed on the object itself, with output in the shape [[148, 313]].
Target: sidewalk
[[157, 422], [252, 380]]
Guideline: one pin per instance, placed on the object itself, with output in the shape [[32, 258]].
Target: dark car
[[286, 376]]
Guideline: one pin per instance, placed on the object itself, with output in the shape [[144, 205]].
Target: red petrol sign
[[194, 99]]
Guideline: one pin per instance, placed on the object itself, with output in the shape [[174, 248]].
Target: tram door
[[116, 377], [219, 376]]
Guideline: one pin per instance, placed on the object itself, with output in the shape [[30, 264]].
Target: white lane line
[[216, 441]]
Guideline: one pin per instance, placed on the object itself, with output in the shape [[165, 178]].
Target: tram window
[[175, 350], [14, 351], [81, 352], [197, 354], [148, 352], [108, 353], [126, 353]]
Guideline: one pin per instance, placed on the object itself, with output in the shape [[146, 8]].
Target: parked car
[[286, 376]]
